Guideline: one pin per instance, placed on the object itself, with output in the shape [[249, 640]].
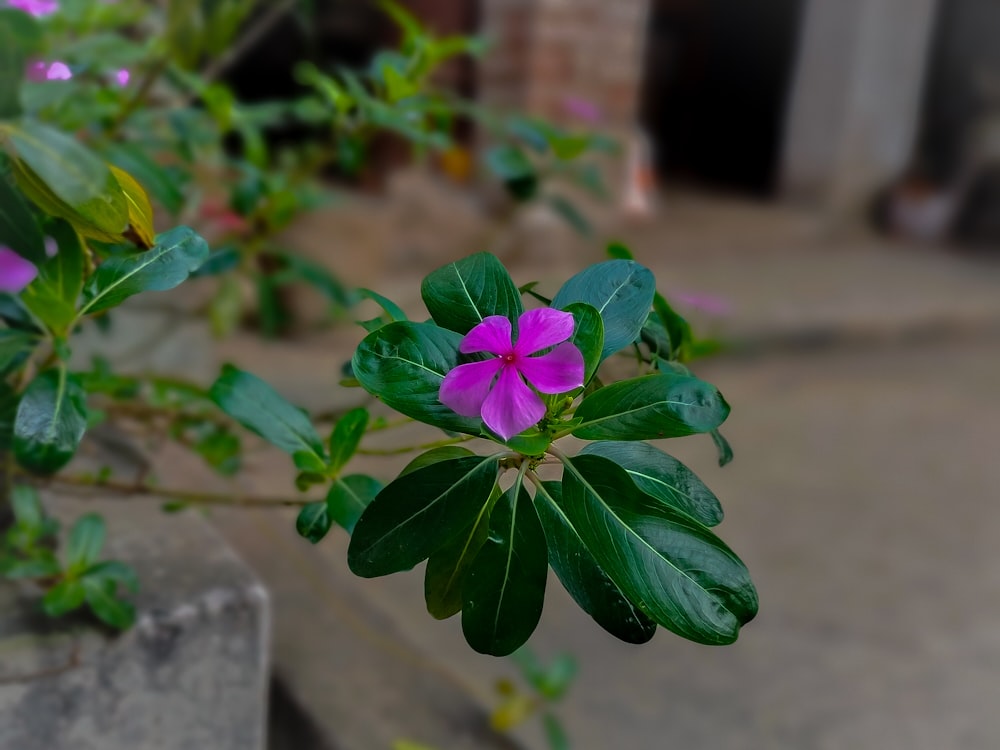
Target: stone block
[[192, 674]]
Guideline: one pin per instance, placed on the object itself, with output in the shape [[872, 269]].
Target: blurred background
[[816, 184]]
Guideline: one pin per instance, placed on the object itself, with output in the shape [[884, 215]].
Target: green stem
[[94, 485], [411, 448]]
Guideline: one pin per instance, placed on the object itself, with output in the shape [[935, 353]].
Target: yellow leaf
[[140, 210]]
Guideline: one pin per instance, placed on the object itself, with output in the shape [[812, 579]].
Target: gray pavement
[[863, 498]]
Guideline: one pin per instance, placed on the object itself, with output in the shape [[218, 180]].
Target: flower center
[[508, 359]]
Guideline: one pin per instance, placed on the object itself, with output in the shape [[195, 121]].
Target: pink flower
[[39, 71], [509, 406], [37, 8], [122, 77], [15, 272]]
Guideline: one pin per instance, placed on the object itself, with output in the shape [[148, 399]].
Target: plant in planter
[[521, 374]]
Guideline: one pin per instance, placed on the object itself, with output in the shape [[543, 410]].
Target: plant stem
[[191, 497], [411, 448]]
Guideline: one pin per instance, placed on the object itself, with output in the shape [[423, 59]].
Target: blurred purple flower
[[122, 77], [42, 71], [37, 8], [706, 303], [583, 109], [509, 406], [15, 272]]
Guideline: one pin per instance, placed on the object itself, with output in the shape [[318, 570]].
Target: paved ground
[[863, 498]]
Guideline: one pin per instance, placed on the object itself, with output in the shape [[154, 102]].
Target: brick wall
[[550, 52]]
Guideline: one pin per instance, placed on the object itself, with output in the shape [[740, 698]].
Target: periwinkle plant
[[626, 528]]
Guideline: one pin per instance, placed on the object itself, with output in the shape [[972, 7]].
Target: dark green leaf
[[460, 294], [9, 401], [42, 565], [313, 521], [404, 363], [27, 507], [681, 575], [20, 36], [15, 346], [50, 422], [619, 251], [300, 269], [349, 496], [503, 595], [663, 477], [723, 446], [18, 229], [572, 215], [588, 336], [101, 595], [678, 330], [64, 597], [72, 175], [394, 311], [509, 163], [309, 462], [621, 290], [435, 455], [555, 733], [176, 254], [52, 296], [417, 514], [448, 567], [85, 541], [116, 571], [258, 407], [221, 260], [583, 578], [346, 436], [651, 407]]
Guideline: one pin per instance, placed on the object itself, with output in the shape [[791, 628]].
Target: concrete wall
[[856, 97]]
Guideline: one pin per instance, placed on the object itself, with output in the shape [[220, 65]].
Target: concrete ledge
[[192, 673]]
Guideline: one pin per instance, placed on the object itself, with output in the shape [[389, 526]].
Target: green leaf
[[681, 575], [460, 294], [621, 290], [346, 436], [101, 595], [505, 589], [723, 446], [176, 254], [448, 567], [404, 363], [588, 336], [15, 347], [64, 597], [417, 514], [572, 215], [435, 455], [509, 163], [116, 571], [9, 401], [394, 311], [50, 422], [52, 296], [678, 330], [591, 588], [663, 477], [27, 507], [258, 407], [163, 185], [18, 229], [301, 269], [85, 541], [313, 521], [71, 174], [20, 36], [555, 733], [349, 496], [651, 407]]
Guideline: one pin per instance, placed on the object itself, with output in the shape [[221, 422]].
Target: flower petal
[[512, 407], [492, 335], [541, 328], [15, 272], [558, 371], [464, 388]]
